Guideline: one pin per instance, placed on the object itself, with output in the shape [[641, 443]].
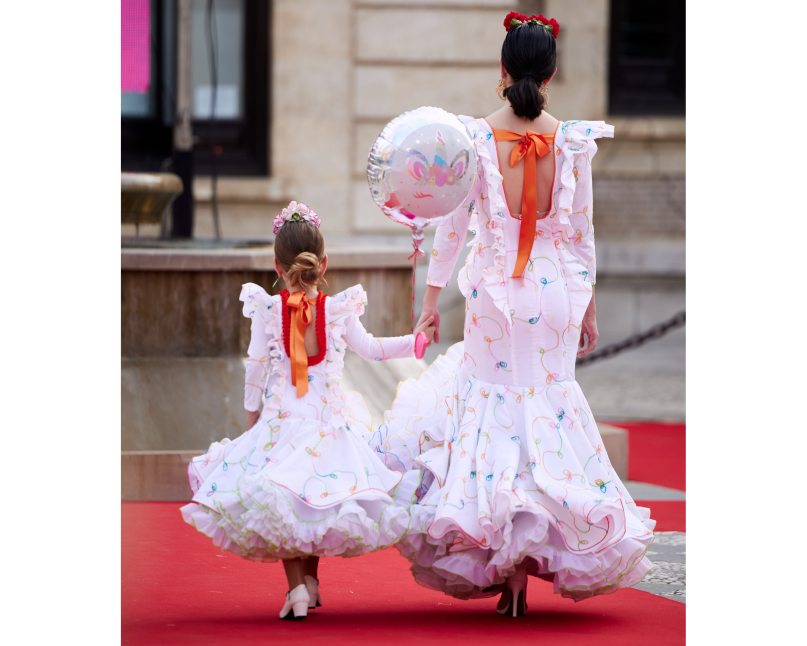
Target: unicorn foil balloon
[[422, 167]]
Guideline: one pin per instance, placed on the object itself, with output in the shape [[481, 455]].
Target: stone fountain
[[146, 198]]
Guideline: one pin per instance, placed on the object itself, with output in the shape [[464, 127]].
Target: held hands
[[425, 326], [430, 310]]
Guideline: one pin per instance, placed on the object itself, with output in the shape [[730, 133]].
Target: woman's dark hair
[[299, 249], [529, 57]]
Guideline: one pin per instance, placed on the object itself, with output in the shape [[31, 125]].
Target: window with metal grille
[[236, 33], [647, 67]]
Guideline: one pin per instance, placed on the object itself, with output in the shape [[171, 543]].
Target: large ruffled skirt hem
[[294, 489], [478, 573], [277, 525], [509, 476]]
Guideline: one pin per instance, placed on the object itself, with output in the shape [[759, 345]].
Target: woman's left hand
[[588, 328]]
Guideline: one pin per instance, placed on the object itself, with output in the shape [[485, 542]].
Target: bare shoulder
[[499, 119], [504, 119], [550, 124]]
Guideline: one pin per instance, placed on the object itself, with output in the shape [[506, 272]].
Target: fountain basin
[[145, 197]]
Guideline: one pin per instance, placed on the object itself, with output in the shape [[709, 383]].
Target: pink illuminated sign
[[135, 46]]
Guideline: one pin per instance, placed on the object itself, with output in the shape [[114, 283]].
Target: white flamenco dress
[[302, 481], [504, 463]]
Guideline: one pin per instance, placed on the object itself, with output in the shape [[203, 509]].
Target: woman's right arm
[[449, 240]]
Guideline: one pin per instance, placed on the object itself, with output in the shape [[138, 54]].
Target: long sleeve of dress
[[449, 239], [377, 348], [257, 365], [581, 245]]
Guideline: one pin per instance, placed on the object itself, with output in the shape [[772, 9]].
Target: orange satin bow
[[530, 147], [301, 318]]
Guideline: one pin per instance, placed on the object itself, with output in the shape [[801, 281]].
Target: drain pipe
[[182, 221]]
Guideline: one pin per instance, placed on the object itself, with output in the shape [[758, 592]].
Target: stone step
[[163, 475]]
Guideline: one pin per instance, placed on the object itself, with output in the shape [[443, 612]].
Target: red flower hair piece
[[548, 22], [513, 15], [514, 19]]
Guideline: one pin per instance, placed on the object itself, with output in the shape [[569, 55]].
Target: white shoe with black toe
[[296, 606], [315, 598]]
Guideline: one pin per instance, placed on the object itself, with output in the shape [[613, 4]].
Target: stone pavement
[[647, 383], [668, 576]]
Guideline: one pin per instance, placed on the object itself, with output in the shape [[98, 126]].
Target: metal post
[[182, 225]]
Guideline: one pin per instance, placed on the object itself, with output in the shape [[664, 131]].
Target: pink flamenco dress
[[504, 465], [302, 481]]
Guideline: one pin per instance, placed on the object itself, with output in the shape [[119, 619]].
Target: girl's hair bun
[[300, 249], [305, 270]]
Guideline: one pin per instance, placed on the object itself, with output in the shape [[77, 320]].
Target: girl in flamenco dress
[[511, 477], [301, 483]]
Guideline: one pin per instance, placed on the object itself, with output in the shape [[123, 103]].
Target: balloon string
[[414, 271], [417, 253]]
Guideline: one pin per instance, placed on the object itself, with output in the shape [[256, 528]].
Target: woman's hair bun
[[529, 56]]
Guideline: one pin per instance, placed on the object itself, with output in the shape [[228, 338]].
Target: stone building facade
[[341, 69]]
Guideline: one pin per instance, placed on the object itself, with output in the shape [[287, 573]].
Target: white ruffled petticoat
[[303, 480], [509, 475], [246, 498]]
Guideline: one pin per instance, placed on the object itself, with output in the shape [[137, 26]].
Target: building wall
[[341, 69]]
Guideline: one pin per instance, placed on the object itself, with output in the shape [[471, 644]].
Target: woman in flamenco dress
[[506, 471]]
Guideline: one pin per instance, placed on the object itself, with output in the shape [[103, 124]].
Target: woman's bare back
[[505, 119]]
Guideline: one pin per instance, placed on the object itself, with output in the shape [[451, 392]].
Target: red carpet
[[670, 515], [657, 453], [178, 589]]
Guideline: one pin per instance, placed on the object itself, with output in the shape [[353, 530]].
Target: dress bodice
[[268, 375], [559, 264]]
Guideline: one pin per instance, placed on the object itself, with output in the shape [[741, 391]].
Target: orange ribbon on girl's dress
[[301, 318], [529, 146]]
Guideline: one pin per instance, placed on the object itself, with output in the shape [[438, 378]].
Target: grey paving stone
[[646, 491], [646, 383], [668, 577]]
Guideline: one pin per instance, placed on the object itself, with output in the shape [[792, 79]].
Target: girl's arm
[[381, 348], [257, 369]]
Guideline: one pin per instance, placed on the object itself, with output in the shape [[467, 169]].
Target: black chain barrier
[[636, 340]]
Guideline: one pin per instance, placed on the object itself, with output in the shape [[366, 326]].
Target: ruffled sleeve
[[345, 309], [450, 235], [574, 210], [258, 306]]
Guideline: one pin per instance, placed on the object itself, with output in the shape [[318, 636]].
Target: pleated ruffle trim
[[274, 524], [479, 573]]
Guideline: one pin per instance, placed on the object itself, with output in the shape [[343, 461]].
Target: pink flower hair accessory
[[296, 212]]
